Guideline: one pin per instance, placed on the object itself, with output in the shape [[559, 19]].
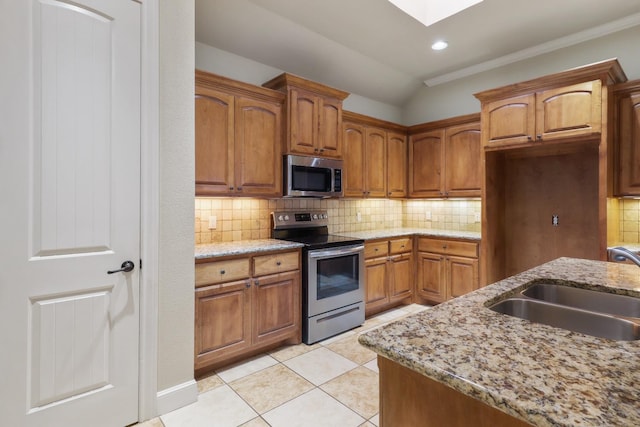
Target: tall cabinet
[[627, 138], [546, 169]]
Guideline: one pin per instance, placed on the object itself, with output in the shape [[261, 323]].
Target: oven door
[[335, 278]]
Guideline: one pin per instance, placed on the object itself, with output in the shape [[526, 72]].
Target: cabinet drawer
[[376, 249], [275, 263], [398, 246], [448, 247], [222, 271]]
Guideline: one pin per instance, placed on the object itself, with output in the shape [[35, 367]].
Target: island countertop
[[537, 373]]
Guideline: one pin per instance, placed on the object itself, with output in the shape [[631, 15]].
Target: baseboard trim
[[177, 396]]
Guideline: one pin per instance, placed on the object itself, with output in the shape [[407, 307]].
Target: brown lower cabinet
[[389, 273], [245, 304], [446, 269]]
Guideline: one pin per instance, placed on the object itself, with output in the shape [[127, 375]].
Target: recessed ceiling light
[[431, 11], [439, 45]]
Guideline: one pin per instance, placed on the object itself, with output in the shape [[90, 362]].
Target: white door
[[69, 212]]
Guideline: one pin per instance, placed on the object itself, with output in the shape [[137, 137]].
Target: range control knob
[[315, 216], [286, 217], [280, 218], [325, 216]]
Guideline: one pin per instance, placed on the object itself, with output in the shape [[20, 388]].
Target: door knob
[[126, 267]]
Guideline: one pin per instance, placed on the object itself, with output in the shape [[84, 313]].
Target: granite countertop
[[543, 375], [241, 247], [399, 232]]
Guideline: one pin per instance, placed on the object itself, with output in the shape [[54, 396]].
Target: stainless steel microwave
[[306, 176]]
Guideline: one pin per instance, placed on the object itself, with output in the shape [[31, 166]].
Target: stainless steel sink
[[602, 302], [572, 319], [600, 314]]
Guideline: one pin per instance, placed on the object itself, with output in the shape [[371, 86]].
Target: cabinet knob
[[376, 249], [239, 188], [257, 282], [222, 272], [230, 188], [529, 138], [278, 263], [539, 136], [322, 150], [247, 284]]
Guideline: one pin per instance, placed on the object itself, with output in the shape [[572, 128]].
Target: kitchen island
[[479, 367]]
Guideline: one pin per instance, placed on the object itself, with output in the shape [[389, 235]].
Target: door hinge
[[140, 264]]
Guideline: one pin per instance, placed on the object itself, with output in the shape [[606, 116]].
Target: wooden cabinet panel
[[330, 128], [398, 246], [463, 275], [214, 139], [569, 111], [238, 318], [238, 144], [221, 271], [376, 282], [397, 152], [425, 167], [508, 121], [401, 276], [277, 307], [353, 177], [375, 163], [448, 247], [627, 142], [258, 156], [431, 277], [376, 249], [303, 108], [222, 316], [463, 155], [276, 263]]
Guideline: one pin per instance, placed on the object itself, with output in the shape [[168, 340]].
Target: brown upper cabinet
[[566, 106], [314, 116], [237, 138], [444, 158], [627, 138], [375, 157]]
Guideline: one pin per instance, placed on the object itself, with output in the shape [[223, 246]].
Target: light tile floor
[[331, 383]]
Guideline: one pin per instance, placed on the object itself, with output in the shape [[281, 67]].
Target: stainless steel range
[[332, 274]]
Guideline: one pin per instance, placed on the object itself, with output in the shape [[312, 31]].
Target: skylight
[[429, 12]]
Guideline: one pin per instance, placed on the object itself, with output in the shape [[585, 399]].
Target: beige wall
[[456, 98], [176, 115], [246, 219]]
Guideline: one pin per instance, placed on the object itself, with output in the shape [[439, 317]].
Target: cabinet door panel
[[569, 111], [330, 128], [353, 174], [463, 275], [431, 277], [508, 121], [303, 127], [257, 147], [628, 167], [462, 161], [214, 138], [376, 282], [276, 306], [425, 167], [401, 276], [223, 316], [375, 163], [396, 165]]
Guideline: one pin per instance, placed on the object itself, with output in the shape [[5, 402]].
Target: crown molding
[[570, 40]]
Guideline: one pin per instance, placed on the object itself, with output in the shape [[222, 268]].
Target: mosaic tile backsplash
[[244, 219]]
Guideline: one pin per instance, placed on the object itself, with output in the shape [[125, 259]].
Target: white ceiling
[[371, 48]]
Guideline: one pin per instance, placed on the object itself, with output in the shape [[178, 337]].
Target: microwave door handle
[[331, 253]]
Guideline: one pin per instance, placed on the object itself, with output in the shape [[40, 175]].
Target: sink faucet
[[620, 254]]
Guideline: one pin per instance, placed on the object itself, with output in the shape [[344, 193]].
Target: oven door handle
[[332, 253]]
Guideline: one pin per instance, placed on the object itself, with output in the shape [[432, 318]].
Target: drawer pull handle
[[278, 263], [222, 271]]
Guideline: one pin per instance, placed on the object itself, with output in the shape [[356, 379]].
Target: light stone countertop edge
[[242, 247], [543, 375]]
